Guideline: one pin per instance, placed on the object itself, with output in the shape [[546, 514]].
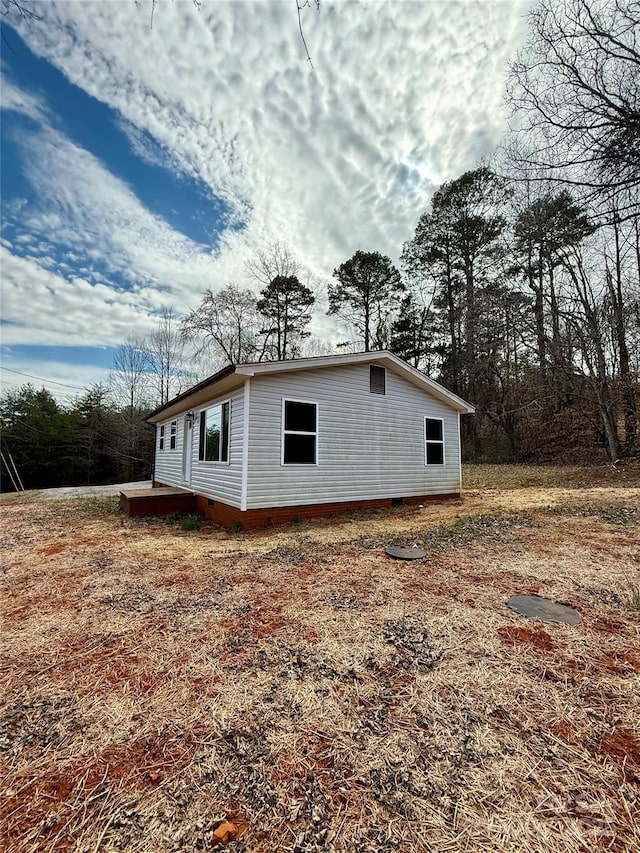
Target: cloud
[[65, 381], [344, 156], [16, 100], [42, 307], [306, 153], [87, 216], [146, 148]]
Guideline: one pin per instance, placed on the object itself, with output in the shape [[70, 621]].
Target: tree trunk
[[538, 310], [451, 319], [617, 302], [470, 319], [367, 320], [556, 355], [607, 416]]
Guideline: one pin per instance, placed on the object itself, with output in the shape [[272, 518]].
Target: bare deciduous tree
[[574, 91], [586, 314], [129, 378], [227, 322], [166, 349], [621, 275], [277, 259], [130, 386]]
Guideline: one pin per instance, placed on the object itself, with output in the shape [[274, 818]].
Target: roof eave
[[421, 380], [244, 371], [382, 356], [178, 401]]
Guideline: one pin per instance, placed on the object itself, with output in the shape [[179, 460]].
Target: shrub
[[190, 522]]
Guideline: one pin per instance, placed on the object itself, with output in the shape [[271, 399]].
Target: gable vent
[[377, 379]]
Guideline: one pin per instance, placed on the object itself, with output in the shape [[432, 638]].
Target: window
[[300, 433], [214, 434], [162, 437], [377, 379], [434, 438], [173, 435]]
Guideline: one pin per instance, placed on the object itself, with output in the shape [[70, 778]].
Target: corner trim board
[[245, 445]]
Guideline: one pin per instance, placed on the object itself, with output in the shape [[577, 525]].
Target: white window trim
[[173, 435], [427, 442], [214, 462], [298, 432]]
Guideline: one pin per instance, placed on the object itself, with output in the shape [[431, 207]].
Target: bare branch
[[300, 7]]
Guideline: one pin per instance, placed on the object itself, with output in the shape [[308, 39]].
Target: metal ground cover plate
[[405, 552], [537, 607]]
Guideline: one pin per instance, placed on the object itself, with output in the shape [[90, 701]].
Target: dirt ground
[[318, 695]]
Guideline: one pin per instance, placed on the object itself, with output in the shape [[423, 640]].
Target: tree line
[[90, 441], [519, 289], [509, 293], [100, 436]]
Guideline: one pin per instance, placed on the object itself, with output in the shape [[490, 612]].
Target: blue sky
[[141, 166], [184, 202]]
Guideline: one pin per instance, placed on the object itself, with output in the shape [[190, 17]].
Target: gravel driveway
[[90, 491]]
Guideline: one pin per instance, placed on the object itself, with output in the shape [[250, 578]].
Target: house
[[274, 441]]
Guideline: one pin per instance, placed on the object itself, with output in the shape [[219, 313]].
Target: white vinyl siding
[[368, 445], [215, 480], [168, 467], [220, 480]]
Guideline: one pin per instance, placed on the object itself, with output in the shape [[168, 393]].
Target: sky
[[142, 164]]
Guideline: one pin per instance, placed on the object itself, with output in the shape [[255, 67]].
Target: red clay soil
[[512, 635], [622, 745], [565, 731], [139, 765], [608, 626]]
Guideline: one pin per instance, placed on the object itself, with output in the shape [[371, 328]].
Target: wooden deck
[[160, 501]]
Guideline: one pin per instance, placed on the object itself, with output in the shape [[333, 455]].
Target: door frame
[[187, 448]]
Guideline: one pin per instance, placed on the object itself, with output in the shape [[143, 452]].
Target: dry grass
[[621, 475], [322, 696]]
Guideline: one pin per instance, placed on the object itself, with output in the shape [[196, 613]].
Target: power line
[[42, 379]]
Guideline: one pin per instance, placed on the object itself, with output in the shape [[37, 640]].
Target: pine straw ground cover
[[318, 694]]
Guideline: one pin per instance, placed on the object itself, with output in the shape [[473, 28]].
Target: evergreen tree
[[543, 231], [286, 306], [366, 297], [412, 334], [459, 245]]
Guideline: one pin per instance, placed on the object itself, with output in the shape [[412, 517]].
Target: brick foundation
[[228, 516]]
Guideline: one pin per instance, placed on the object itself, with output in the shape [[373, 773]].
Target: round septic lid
[[405, 552], [537, 607]]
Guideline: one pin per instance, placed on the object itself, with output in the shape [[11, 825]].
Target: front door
[[187, 448]]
